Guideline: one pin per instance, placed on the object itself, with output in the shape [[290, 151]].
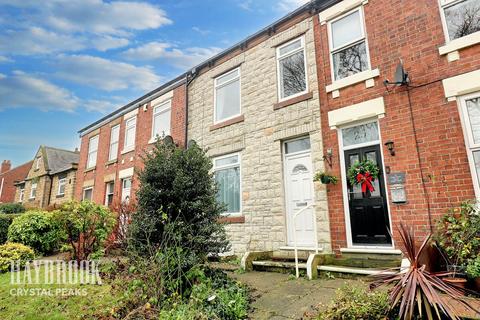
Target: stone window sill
[[60, 196], [111, 162], [294, 100], [227, 123], [232, 219], [90, 169], [451, 48], [366, 76], [127, 150]]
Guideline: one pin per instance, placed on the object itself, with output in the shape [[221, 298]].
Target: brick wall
[[106, 171], [412, 31], [9, 178]]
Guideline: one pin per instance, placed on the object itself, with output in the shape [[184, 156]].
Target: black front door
[[368, 213]]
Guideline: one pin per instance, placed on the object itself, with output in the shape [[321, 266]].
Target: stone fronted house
[[51, 179], [8, 177], [111, 148]]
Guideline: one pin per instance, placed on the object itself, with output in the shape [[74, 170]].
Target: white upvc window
[[22, 193], [33, 190], [348, 44], [292, 69], [130, 131], [228, 177], [62, 182], [92, 152], [161, 120], [227, 96], [126, 189], [114, 136], [88, 193], [109, 192], [460, 18], [38, 162], [470, 110]]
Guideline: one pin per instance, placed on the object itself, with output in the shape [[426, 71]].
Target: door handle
[[302, 204]]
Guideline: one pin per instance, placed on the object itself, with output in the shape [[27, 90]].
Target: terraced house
[[320, 90]]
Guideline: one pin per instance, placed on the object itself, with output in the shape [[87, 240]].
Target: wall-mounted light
[[328, 157], [390, 147]]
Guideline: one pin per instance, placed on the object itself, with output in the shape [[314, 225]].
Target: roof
[[312, 6], [60, 160]]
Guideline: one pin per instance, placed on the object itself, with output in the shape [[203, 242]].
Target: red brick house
[[431, 123], [9, 176], [111, 148]]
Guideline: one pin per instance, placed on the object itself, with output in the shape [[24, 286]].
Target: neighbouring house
[[111, 148], [8, 177], [318, 90], [51, 179]]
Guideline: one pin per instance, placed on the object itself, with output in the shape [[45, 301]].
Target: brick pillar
[[6, 165]]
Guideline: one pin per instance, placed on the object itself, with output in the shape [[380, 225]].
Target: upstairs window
[[227, 176], [348, 45], [62, 181], [227, 96], [291, 64], [33, 190], [113, 150], [461, 18], [38, 162], [161, 120], [130, 129], [92, 152]]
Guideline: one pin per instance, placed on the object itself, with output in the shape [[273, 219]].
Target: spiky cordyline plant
[[417, 288]]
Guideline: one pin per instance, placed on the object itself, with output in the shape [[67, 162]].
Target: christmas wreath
[[363, 173]]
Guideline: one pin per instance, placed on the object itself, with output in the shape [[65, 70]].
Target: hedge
[[5, 222], [11, 208]]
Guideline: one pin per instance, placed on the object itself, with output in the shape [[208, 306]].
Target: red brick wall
[[130, 159], [16, 174], [410, 30]]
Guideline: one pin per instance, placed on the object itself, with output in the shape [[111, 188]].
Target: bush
[[36, 229], [9, 208], [473, 268], [14, 252], [353, 302], [86, 227], [177, 186], [5, 222]]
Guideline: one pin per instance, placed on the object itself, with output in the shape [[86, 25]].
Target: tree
[[177, 188]]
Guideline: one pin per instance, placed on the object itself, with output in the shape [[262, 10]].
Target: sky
[[66, 63]]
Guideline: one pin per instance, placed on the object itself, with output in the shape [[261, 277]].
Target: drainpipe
[[192, 74]]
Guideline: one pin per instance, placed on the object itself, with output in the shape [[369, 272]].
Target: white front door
[[299, 192]]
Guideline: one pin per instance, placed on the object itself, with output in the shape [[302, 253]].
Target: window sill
[[351, 80], [155, 139], [460, 43], [90, 169], [294, 100], [111, 162], [60, 196], [232, 219], [130, 149], [227, 123]]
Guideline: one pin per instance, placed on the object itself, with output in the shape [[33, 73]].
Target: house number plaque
[[396, 182]]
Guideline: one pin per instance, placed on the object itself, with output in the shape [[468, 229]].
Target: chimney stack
[[6, 165]]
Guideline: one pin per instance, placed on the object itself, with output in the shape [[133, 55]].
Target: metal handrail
[[297, 273]]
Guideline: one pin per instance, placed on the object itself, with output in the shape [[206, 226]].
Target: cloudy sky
[[66, 63]]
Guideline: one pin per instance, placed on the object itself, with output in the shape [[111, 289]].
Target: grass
[[96, 303]]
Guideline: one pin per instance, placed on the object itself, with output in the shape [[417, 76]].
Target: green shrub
[[5, 222], [86, 227], [473, 268], [36, 229], [353, 302], [9, 208], [14, 252]]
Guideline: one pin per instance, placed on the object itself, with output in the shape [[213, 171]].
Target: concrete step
[[349, 270], [277, 266]]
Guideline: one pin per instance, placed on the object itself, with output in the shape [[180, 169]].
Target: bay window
[[227, 176]]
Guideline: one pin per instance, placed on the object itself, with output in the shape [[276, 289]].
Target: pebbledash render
[[317, 91], [262, 130], [112, 147]]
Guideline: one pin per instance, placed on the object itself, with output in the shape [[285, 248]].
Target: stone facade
[[258, 136], [55, 197]]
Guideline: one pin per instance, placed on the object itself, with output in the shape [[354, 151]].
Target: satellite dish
[[401, 77], [168, 140], [191, 143]]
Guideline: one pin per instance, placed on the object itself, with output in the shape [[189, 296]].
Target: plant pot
[[459, 282], [325, 180], [476, 284]]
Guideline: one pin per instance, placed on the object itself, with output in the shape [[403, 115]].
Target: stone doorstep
[[269, 264]]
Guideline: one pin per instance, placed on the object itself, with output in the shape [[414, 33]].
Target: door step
[[277, 266], [350, 270]]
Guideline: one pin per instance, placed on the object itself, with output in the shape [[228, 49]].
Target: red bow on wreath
[[366, 181]]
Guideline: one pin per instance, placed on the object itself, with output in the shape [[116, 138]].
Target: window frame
[[470, 144], [364, 37], [83, 193], [228, 166], [442, 5], [111, 156], [279, 57], [107, 191], [60, 184], [129, 189], [162, 107], [37, 162], [90, 152], [127, 127], [33, 196], [21, 196], [216, 86]]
